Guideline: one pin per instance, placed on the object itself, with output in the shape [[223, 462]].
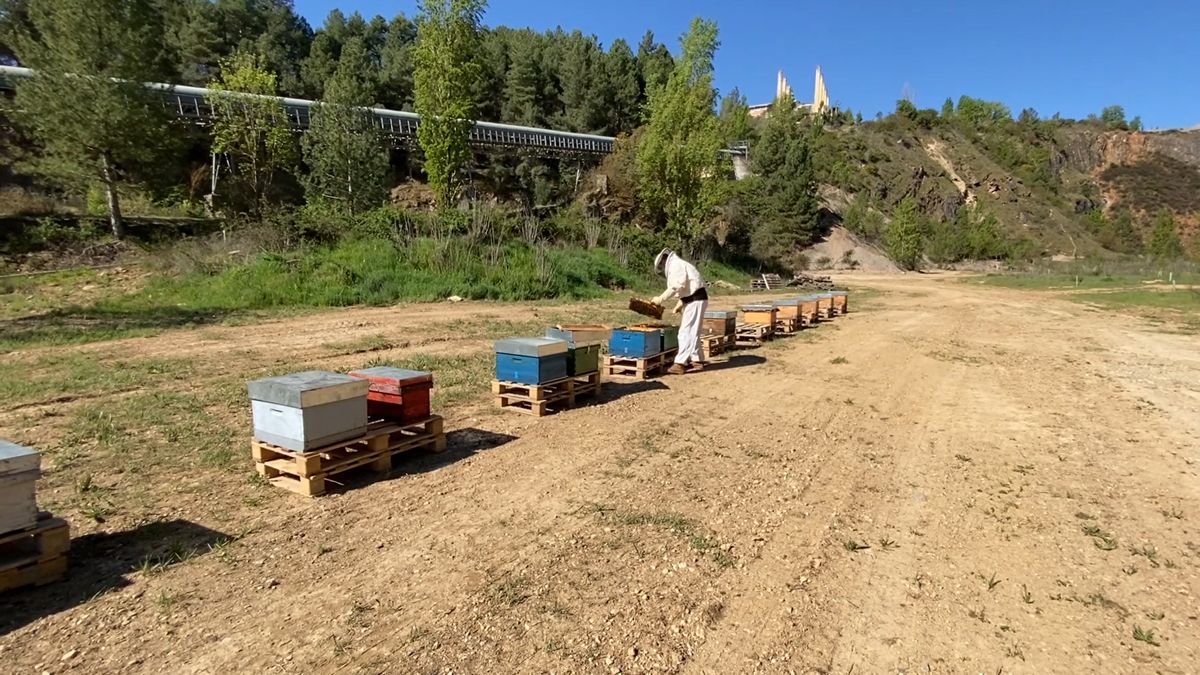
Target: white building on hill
[[820, 100]]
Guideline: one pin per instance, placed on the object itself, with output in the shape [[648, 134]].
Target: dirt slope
[[702, 524]]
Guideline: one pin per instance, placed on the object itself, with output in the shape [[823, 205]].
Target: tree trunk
[[114, 201]]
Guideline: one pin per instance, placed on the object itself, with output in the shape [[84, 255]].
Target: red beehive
[[396, 394]]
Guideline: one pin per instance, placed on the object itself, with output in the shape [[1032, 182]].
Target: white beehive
[[19, 471]]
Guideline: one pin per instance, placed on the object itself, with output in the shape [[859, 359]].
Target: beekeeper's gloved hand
[[678, 307], [662, 299]]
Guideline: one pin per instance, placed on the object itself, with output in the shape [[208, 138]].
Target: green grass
[[1059, 281], [1181, 300], [74, 375]]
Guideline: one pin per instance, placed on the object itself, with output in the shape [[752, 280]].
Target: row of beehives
[[782, 317], [33, 544]]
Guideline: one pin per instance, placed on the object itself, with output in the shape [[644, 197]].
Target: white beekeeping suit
[[685, 283]]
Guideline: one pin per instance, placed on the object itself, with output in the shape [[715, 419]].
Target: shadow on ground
[[100, 562], [77, 325], [735, 361]]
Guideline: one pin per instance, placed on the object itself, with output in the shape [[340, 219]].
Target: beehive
[[19, 471], [536, 360], [720, 322], [397, 394], [809, 307], [580, 334], [841, 301], [583, 359], [307, 410], [635, 342], [789, 308], [759, 315], [670, 334]]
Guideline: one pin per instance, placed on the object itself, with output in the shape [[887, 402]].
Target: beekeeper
[[685, 283]]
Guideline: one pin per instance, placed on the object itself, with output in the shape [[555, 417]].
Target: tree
[[1114, 117], [445, 77], [624, 105], [655, 63], [1135, 124], [1164, 238], [904, 239], [786, 207], [86, 106], [1028, 117], [251, 130], [948, 109], [345, 153], [679, 151], [735, 117]]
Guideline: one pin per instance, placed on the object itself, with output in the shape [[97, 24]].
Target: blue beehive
[[637, 344], [531, 360]]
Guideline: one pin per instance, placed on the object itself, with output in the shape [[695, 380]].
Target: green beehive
[[583, 359], [670, 337]]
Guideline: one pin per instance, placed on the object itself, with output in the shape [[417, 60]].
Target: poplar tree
[[446, 73], [86, 106]]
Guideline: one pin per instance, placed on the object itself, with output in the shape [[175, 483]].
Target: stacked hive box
[[720, 322], [531, 360], [758, 324], [841, 301], [305, 411], [810, 311], [19, 471], [396, 394], [583, 347], [641, 350], [33, 548], [310, 427], [826, 305], [718, 329], [788, 316], [538, 376]]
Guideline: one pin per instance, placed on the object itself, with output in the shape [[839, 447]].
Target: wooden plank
[[35, 573], [308, 473]]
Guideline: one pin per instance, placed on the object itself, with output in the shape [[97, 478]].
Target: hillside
[[1059, 187]]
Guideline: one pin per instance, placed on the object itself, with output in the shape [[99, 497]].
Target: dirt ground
[[950, 479]]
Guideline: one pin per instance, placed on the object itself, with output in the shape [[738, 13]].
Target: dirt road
[[951, 479]]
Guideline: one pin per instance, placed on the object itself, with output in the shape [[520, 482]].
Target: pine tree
[[86, 106], [346, 154], [655, 64], [446, 74], [787, 206], [735, 117], [1164, 240], [904, 240], [623, 105]]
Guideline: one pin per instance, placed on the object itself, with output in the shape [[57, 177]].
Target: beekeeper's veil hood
[[660, 261]]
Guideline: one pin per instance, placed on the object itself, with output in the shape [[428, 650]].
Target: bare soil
[[950, 479]]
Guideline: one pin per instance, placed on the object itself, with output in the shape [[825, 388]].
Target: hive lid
[[840, 292], [788, 302], [18, 458], [395, 376], [757, 308], [531, 346], [825, 295], [579, 336], [306, 389], [721, 314]]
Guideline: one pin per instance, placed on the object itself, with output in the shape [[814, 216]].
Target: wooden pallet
[[767, 282], [713, 345], [787, 326], [35, 556], [752, 335], [306, 473], [540, 400], [639, 368]]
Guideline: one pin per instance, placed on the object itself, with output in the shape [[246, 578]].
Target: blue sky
[[1066, 56]]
